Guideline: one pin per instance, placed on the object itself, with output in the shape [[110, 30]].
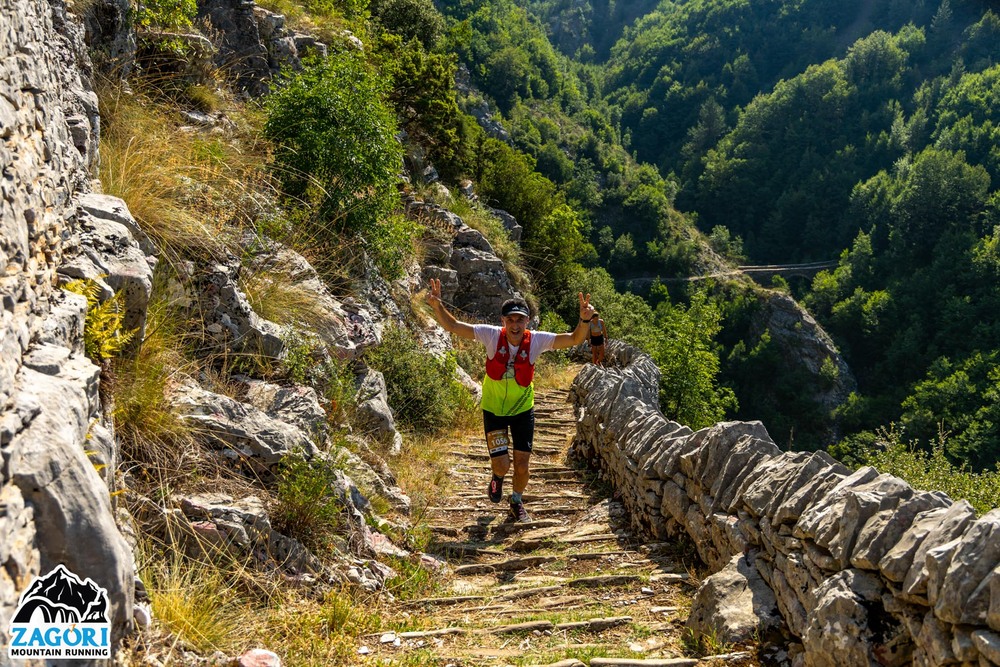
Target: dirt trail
[[573, 584]]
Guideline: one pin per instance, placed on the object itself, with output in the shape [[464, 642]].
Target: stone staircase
[[571, 587]]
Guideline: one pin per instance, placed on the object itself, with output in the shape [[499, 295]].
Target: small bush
[[412, 580], [308, 362], [166, 14], [932, 471], [422, 390], [335, 141], [305, 506], [471, 356]]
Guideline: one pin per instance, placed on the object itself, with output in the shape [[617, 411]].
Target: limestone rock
[[514, 230], [239, 428], [47, 462], [240, 49], [348, 326], [297, 405], [483, 280], [993, 615], [229, 316], [734, 604], [110, 35], [988, 645], [964, 595], [934, 641], [951, 525], [898, 560], [806, 344], [105, 251], [360, 472], [373, 414], [850, 626], [885, 528]]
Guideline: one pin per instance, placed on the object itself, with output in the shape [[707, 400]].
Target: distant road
[[760, 271]]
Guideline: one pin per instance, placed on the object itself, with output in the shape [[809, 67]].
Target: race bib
[[497, 442]]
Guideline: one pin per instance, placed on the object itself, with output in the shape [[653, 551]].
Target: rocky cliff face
[[52, 500]]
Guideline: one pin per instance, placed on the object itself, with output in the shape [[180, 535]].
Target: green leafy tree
[[960, 399], [423, 96], [687, 358], [410, 19]]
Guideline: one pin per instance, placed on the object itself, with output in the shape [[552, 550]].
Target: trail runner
[[508, 390]]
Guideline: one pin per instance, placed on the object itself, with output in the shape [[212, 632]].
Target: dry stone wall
[[52, 499], [864, 569]]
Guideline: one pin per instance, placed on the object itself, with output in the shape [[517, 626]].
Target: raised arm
[[443, 317], [579, 334]]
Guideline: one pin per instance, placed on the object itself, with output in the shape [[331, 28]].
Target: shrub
[[422, 390], [931, 471], [305, 506], [335, 141], [166, 14], [410, 19]]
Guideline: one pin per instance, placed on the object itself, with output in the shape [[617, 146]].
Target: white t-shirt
[[489, 336]]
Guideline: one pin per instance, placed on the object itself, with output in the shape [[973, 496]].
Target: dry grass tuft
[[189, 191]]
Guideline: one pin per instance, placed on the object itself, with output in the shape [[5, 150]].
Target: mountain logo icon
[[61, 616]]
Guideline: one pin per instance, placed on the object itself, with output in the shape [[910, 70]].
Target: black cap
[[514, 307]]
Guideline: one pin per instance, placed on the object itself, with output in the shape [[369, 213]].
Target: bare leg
[[520, 470], [501, 464]]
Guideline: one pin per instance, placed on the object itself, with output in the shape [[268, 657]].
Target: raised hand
[[433, 296], [586, 310]]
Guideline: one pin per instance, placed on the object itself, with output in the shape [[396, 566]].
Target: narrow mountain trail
[[571, 587]]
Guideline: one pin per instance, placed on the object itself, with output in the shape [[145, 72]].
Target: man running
[[508, 389]]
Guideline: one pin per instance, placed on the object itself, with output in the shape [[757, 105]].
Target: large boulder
[[734, 605], [241, 431], [230, 319], [238, 44], [373, 416], [296, 405], [804, 344], [69, 502]]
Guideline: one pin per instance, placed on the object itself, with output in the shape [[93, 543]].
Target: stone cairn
[[864, 569]]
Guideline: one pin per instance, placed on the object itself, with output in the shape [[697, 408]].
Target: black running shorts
[[522, 427]]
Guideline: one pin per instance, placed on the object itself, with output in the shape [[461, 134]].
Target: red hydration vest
[[524, 370]]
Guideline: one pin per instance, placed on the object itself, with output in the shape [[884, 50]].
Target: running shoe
[[517, 513], [496, 489]]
